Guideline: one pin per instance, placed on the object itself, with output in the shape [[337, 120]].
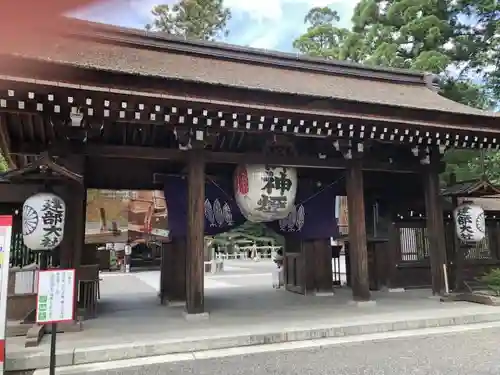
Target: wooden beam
[[176, 155], [358, 253]]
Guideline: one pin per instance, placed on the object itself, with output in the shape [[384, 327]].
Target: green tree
[[196, 19], [478, 40], [4, 167], [458, 40]]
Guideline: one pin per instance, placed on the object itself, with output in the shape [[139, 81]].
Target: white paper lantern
[[265, 193], [44, 215], [469, 223]]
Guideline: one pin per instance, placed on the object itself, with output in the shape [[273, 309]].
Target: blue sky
[[269, 24]]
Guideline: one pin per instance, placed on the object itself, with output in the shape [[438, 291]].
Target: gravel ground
[[467, 353]]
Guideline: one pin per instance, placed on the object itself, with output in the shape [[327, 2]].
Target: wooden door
[[294, 277]]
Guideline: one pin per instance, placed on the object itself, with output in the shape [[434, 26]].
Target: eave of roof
[[116, 49], [473, 188]]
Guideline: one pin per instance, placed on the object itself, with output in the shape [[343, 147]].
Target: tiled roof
[[151, 54]]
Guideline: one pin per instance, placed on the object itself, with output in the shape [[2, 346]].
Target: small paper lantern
[[44, 215], [265, 193], [469, 223]]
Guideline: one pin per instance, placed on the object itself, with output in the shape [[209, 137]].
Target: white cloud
[[143, 7], [257, 9], [266, 41], [267, 24], [272, 9], [278, 30]]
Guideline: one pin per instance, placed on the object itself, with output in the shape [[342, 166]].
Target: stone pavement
[[132, 324], [443, 351]]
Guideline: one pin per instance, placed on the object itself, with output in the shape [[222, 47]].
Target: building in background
[[117, 217]]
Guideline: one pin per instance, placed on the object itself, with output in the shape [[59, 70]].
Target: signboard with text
[[5, 238], [55, 300]]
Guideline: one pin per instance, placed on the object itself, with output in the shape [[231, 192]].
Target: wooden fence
[[410, 249], [20, 255]]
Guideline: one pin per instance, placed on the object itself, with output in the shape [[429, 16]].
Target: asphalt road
[[467, 353]]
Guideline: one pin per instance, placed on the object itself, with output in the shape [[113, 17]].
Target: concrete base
[[176, 303], [196, 317], [17, 328], [324, 294], [370, 303], [74, 326], [436, 297], [21, 361], [396, 290], [483, 299], [34, 335]]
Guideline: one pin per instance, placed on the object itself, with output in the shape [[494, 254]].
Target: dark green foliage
[[492, 280], [193, 19], [459, 40]]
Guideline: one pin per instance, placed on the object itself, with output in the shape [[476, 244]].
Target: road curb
[[138, 350]]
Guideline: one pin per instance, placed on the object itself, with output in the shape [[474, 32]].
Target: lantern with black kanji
[[469, 223], [43, 220], [265, 193]]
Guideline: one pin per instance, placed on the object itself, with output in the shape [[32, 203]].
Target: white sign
[[55, 300], [265, 193], [5, 238], [160, 232], [43, 221], [469, 223]]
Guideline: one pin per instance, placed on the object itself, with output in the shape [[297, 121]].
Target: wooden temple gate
[[117, 106]]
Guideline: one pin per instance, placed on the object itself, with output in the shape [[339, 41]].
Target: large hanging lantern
[[43, 221], [265, 193], [469, 223]]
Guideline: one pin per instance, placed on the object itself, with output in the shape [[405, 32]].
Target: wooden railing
[[413, 243]]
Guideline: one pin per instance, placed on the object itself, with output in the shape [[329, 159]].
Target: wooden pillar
[[195, 233], [459, 255], [71, 247], [394, 256], [173, 271], [358, 254], [75, 197], [435, 228]]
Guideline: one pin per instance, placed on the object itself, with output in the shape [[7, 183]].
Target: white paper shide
[[264, 193], [44, 215], [469, 223]]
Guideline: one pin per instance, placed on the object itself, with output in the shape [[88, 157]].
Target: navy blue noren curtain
[[313, 216], [221, 211]]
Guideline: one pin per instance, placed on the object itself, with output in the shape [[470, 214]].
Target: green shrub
[[492, 280]]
